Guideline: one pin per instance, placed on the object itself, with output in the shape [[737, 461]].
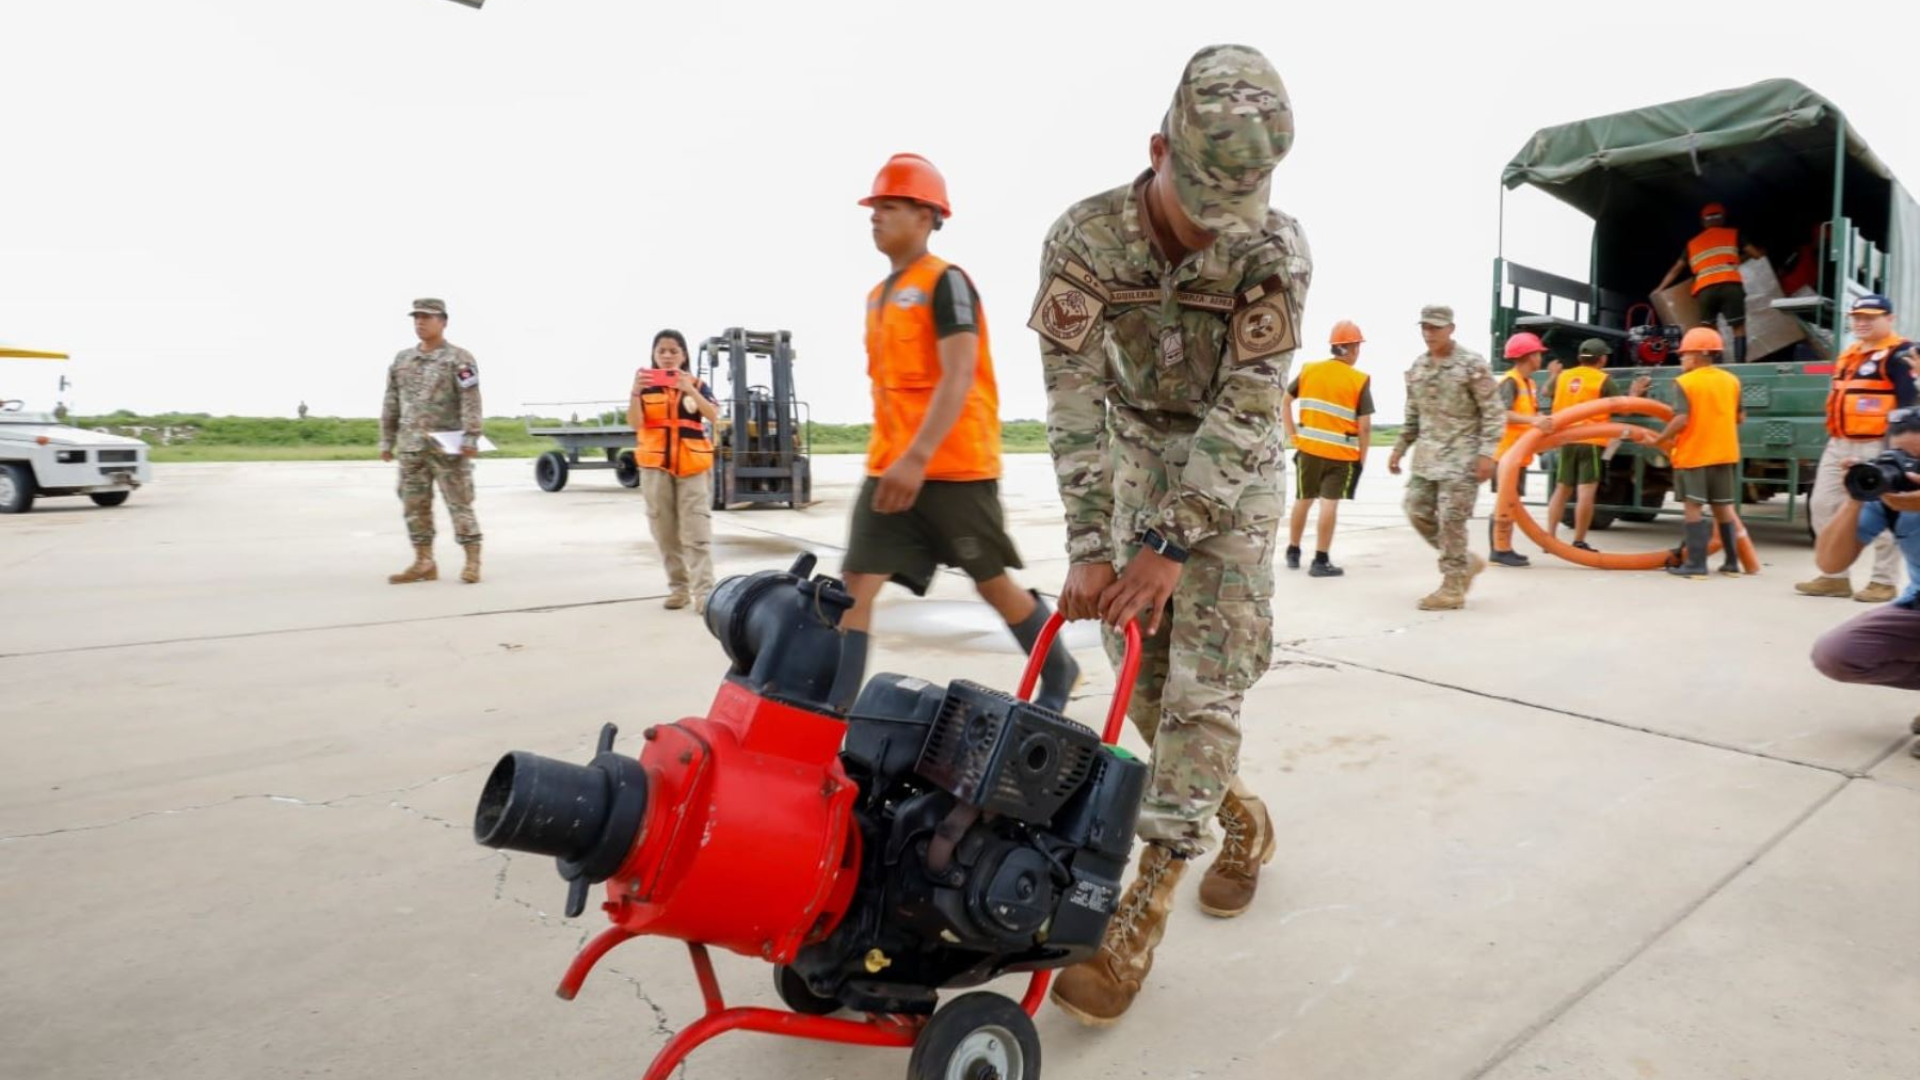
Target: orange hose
[[1572, 426]]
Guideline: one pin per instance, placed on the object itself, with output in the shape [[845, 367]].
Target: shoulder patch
[[466, 376], [1069, 307], [1263, 325]]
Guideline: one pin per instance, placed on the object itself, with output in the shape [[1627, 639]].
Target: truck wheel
[[550, 471], [1602, 520], [798, 996], [626, 470], [1640, 517], [109, 498], [16, 489], [977, 1035]]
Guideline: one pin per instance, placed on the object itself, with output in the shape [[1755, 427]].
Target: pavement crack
[[170, 812]]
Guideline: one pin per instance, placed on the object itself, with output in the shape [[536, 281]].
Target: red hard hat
[[1524, 344], [1345, 332], [1702, 339], [1713, 209], [910, 176]]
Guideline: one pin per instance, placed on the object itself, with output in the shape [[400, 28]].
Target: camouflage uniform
[[1454, 413], [429, 392], [1164, 386]]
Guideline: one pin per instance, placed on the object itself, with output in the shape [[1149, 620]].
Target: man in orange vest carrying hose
[[1583, 464], [1330, 442], [932, 494], [1703, 441], [1517, 395], [1713, 258], [1873, 377]]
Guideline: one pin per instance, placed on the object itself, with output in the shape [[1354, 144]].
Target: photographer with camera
[[1882, 647], [669, 410], [1873, 377]]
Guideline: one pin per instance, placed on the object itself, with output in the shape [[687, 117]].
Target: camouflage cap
[[1436, 315], [429, 307], [1593, 346], [1229, 125]]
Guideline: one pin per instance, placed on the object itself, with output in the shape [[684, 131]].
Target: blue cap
[[1871, 304]]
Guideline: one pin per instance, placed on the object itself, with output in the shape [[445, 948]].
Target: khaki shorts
[[1324, 478], [1707, 484], [952, 523]]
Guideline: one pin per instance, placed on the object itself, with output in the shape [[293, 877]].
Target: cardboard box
[[1676, 306], [1768, 331]]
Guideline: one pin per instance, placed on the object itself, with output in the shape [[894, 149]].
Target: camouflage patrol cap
[[1594, 346], [1436, 315], [1229, 125], [429, 307]]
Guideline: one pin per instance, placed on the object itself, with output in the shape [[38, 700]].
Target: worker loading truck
[[1783, 220]]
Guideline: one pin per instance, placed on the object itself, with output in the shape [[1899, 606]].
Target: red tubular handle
[[1123, 685]]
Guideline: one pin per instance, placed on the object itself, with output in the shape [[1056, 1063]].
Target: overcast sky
[[226, 205]]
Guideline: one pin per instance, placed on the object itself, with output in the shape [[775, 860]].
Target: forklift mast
[[763, 435]]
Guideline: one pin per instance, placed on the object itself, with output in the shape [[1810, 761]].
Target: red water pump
[[916, 839]]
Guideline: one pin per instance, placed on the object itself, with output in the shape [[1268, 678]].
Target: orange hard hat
[[1713, 209], [1523, 344], [1345, 332], [910, 176], [1702, 339]]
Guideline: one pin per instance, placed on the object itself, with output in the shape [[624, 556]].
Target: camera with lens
[[1867, 481]]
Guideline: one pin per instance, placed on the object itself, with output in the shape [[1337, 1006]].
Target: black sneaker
[[1509, 558], [1584, 546], [1324, 569], [1293, 558], [1731, 569]]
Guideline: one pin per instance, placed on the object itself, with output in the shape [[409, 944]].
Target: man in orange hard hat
[[1713, 258], [1518, 396], [932, 494], [1703, 441], [1330, 442]]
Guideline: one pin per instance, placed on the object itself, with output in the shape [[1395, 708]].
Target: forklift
[[760, 456]]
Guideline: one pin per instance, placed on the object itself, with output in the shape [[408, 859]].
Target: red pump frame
[[876, 1030]]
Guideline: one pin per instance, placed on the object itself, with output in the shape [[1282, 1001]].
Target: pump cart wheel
[[798, 996], [109, 498], [626, 470], [550, 471], [978, 1036]]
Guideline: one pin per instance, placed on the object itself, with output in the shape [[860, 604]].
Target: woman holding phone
[[669, 411]]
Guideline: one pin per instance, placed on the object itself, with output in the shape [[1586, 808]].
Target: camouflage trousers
[[680, 515], [419, 471], [1439, 510], [1216, 642]]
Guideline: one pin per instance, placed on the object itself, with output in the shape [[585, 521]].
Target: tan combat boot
[[1450, 596], [1876, 592], [472, 573], [677, 600], [1825, 586], [1098, 991], [1228, 887], [421, 570]]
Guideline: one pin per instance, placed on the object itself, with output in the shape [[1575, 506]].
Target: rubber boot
[[1060, 673], [1740, 348], [1699, 535], [1450, 596], [1730, 549], [1500, 542], [853, 670], [1098, 991], [471, 573], [422, 569], [1228, 887]]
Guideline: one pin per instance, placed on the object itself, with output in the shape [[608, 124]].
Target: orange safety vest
[[1329, 402], [903, 360], [1526, 402], [1861, 395], [1712, 434], [1714, 256], [668, 438], [1577, 386]]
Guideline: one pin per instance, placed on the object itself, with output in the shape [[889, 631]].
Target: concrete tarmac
[[1596, 825]]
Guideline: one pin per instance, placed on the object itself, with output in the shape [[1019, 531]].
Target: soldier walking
[[1168, 313], [1455, 414], [433, 388]]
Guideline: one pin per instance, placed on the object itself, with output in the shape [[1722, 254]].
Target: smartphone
[[660, 378]]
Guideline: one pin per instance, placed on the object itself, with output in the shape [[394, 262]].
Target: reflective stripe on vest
[[1714, 256], [1712, 434], [1526, 402], [903, 360], [1861, 395], [668, 438], [1576, 386], [1329, 406]]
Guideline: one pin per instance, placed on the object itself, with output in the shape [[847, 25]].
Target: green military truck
[[1798, 181]]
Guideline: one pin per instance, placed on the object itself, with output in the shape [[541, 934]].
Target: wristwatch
[[1163, 547]]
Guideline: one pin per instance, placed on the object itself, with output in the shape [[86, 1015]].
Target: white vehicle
[[40, 456]]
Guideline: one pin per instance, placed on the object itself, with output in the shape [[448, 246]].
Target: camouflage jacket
[[1453, 412], [429, 392], [1186, 364]]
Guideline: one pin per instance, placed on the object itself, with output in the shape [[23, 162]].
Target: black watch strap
[[1160, 545]]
